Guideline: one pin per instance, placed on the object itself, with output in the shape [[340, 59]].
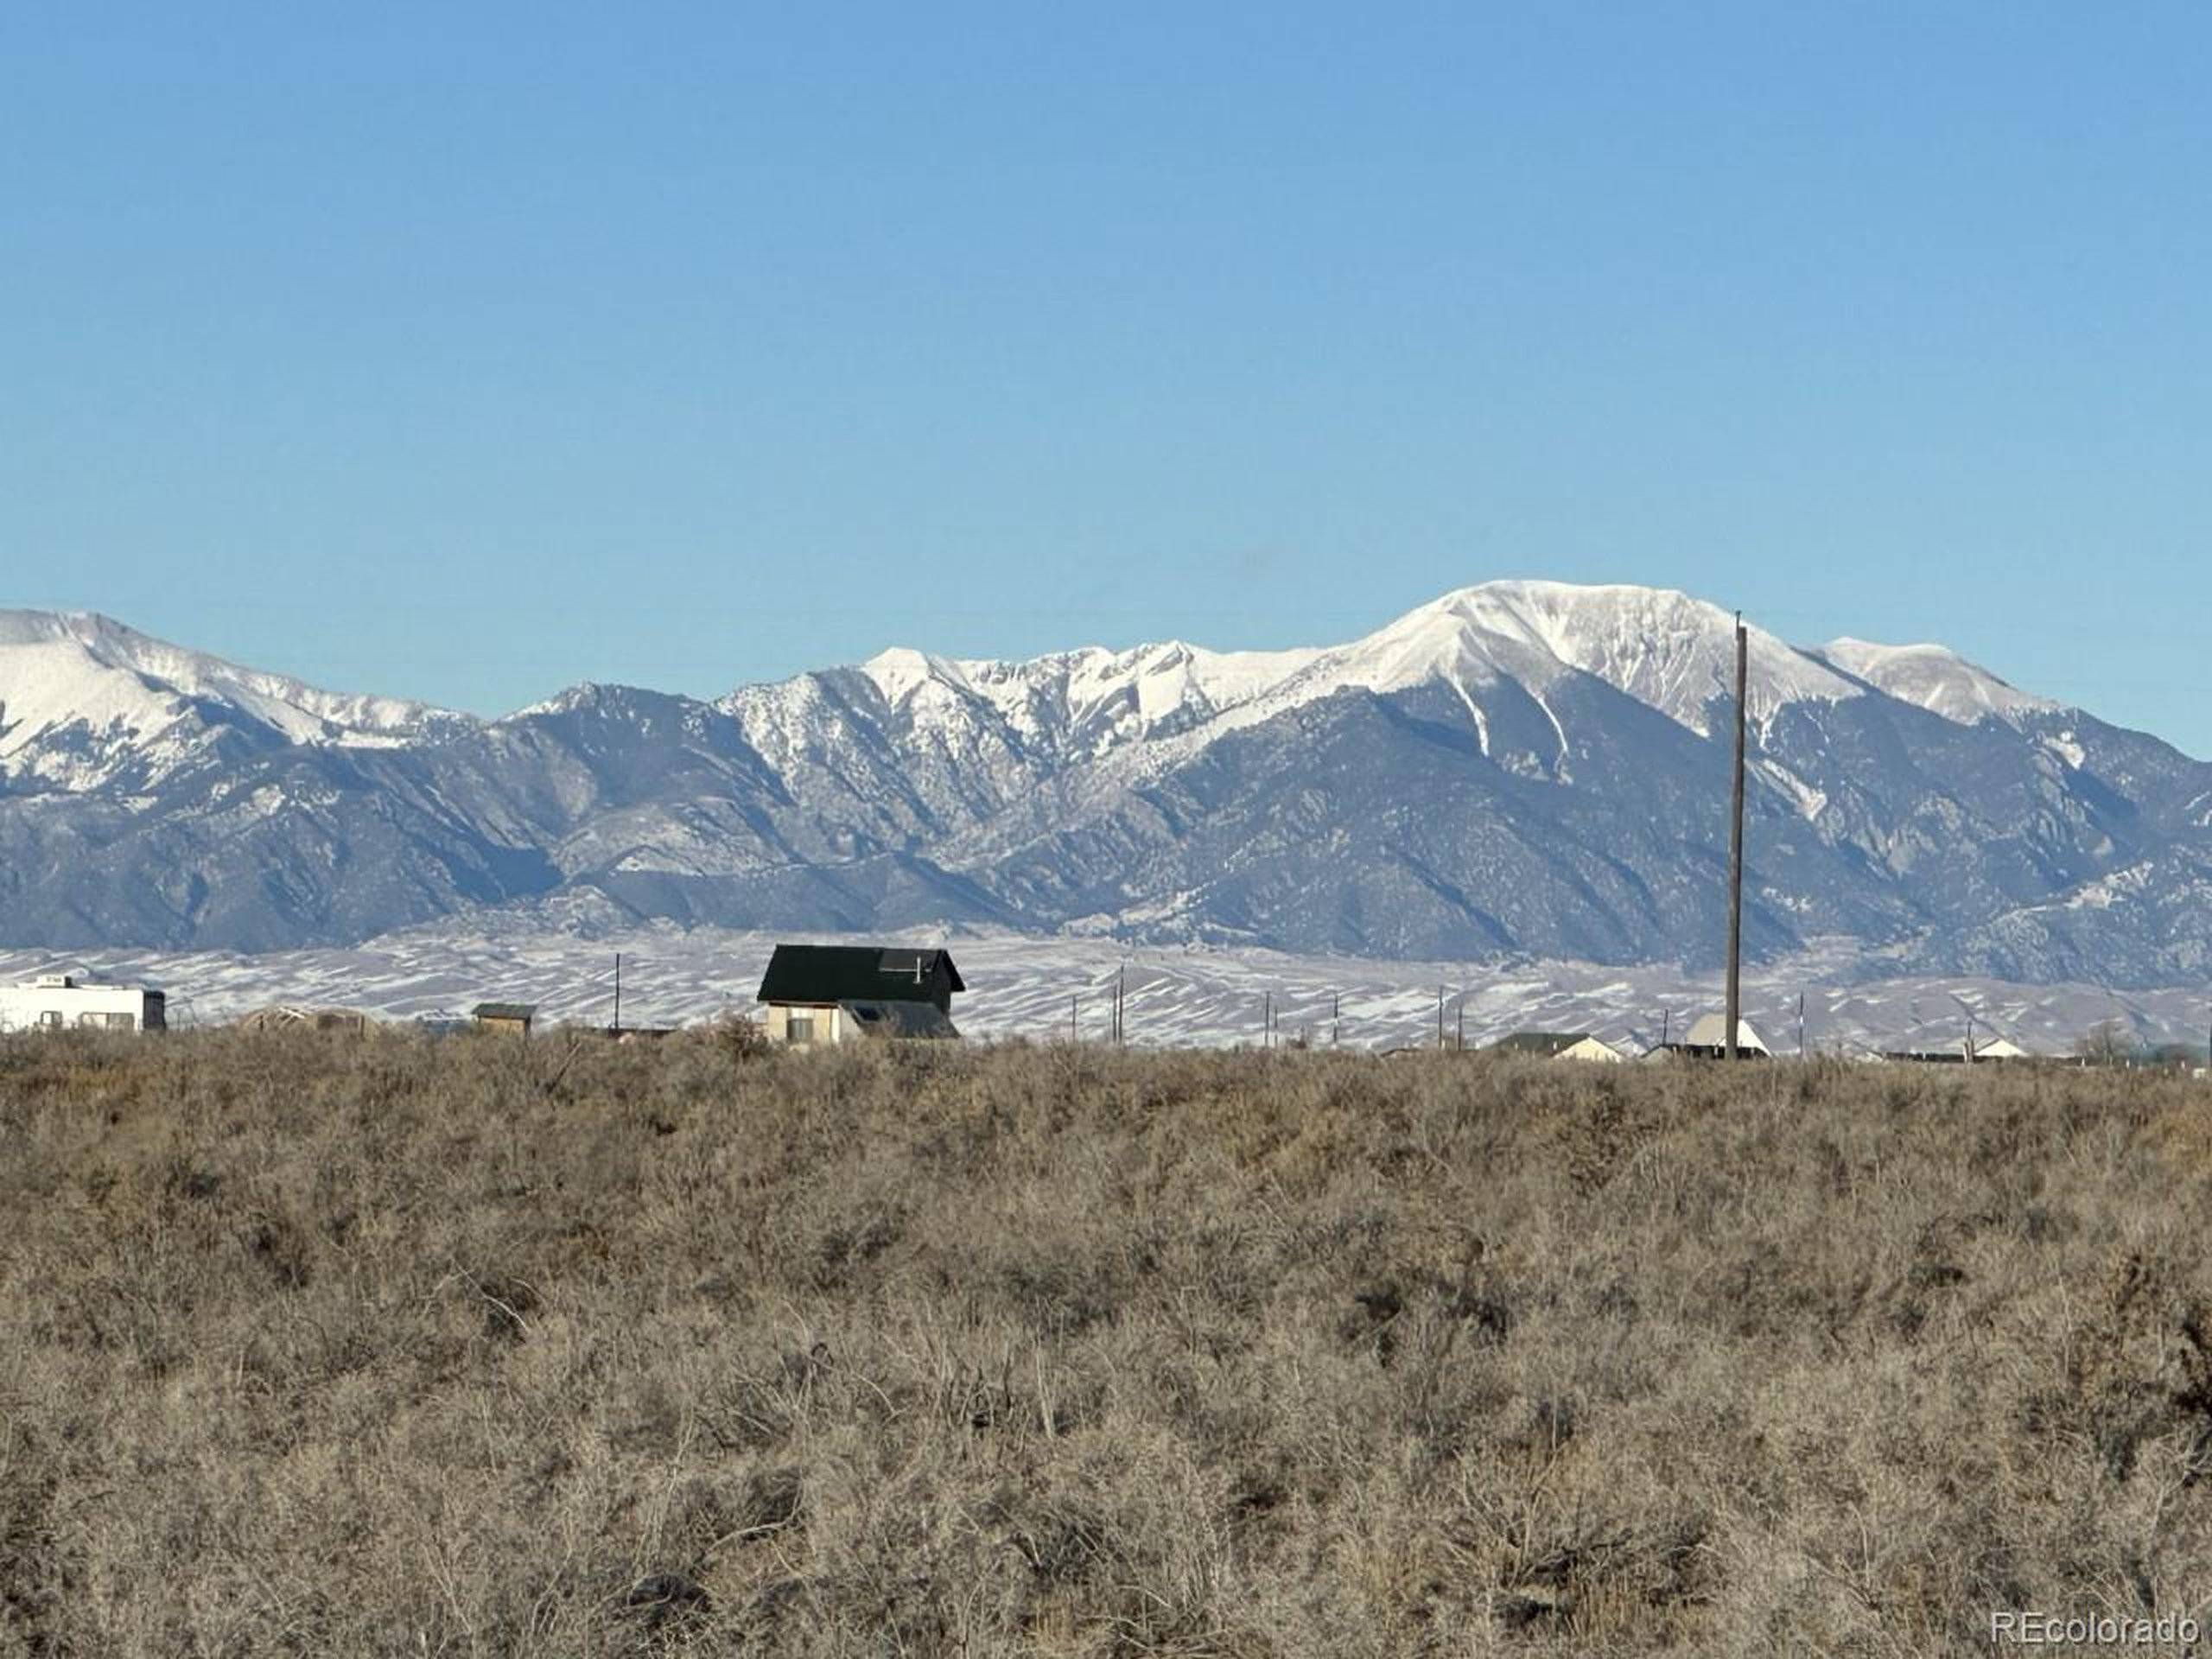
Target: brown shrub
[[391, 1345]]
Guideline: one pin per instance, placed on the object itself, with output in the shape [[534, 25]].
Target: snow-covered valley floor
[[1037, 987]]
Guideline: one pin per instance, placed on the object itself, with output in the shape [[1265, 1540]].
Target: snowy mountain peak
[[1086, 700], [1162, 684], [1936, 677], [604, 697], [82, 697], [901, 671], [1668, 651], [72, 645], [1665, 649]]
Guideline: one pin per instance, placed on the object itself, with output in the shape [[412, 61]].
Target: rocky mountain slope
[[1519, 768]]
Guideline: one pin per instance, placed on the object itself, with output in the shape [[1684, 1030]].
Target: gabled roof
[[857, 973], [503, 1011], [1543, 1044], [1711, 1031]]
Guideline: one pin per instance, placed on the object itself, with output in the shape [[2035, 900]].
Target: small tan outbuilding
[[507, 1019]]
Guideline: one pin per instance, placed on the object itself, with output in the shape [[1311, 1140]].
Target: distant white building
[[1558, 1046], [1709, 1038], [1967, 1052], [62, 1002]]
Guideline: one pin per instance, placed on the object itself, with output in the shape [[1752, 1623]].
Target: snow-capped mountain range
[[1517, 770]]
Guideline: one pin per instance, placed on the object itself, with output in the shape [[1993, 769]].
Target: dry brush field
[[385, 1346]]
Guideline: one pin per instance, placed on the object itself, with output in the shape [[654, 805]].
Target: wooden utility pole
[[1336, 1019], [1440, 1017], [1735, 853], [1075, 1005], [618, 990]]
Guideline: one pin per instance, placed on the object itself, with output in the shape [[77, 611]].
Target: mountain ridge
[[1516, 767]]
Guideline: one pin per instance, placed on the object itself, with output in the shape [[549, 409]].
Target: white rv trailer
[[63, 1003]]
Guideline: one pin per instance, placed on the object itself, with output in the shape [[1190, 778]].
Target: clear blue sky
[[469, 351]]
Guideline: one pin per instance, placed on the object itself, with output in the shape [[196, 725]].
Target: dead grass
[[316, 1345]]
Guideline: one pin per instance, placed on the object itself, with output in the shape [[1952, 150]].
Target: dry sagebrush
[[325, 1345]]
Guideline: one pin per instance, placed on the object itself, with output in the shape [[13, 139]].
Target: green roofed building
[[511, 1018], [835, 993]]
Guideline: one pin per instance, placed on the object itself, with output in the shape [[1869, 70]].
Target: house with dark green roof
[[820, 994]]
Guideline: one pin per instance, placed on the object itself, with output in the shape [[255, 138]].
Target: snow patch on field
[[1044, 988]]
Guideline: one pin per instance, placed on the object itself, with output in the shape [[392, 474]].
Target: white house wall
[[21, 1005]]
